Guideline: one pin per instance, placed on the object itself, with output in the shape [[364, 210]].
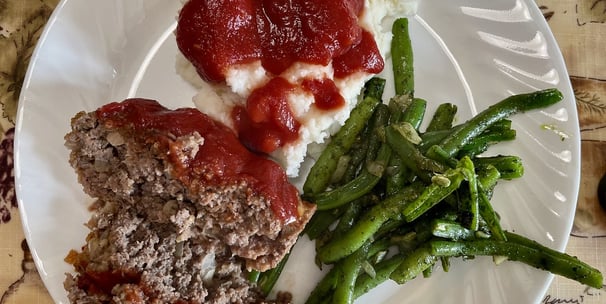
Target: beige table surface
[[578, 25]]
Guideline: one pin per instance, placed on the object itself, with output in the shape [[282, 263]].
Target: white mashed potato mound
[[217, 101]]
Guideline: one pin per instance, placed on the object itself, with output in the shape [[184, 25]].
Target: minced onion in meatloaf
[[181, 209]]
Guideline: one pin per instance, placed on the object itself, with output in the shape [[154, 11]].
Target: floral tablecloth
[[578, 25]]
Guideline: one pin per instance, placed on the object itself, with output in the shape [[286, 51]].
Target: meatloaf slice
[[182, 209]]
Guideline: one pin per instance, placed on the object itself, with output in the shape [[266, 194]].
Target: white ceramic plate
[[471, 53]]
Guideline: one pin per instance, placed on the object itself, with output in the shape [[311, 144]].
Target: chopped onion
[[341, 168], [370, 271], [440, 180], [208, 267], [115, 139], [375, 168], [409, 132]]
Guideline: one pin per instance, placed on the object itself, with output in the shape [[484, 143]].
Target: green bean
[[519, 239], [402, 58], [253, 276], [347, 218], [429, 270], [377, 247], [422, 228], [321, 172], [395, 223], [490, 216], [443, 118], [451, 230], [370, 223], [477, 124], [445, 184], [349, 268], [470, 205], [339, 174], [481, 142], [357, 156], [322, 293], [488, 176], [413, 264], [410, 155], [383, 270], [591, 276], [376, 130], [397, 105], [321, 221], [502, 124], [445, 263], [397, 174], [430, 138], [409, 192], [529, 252], [509, 166], [370, 138], [371, 172], [406, 242], [268, 279], [439, 155], [359, 186], [374, 88], [487, 179], [415, 112], [356, 159]]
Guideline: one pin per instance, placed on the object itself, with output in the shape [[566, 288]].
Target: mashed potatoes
[[217, 100]]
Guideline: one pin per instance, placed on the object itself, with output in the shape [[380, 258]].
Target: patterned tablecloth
[[578, 25]]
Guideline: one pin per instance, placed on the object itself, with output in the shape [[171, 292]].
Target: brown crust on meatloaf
[[148, 223]]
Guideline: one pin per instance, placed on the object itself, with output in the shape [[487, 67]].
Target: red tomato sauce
[[222, 160], [104, 282], [267, 121], [217, 34], [326, 93]]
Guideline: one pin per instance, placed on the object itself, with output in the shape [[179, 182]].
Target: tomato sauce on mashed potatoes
[[283, 74]]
